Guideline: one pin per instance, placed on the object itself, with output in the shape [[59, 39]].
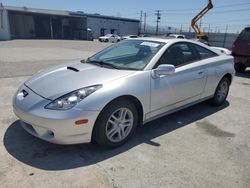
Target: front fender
[[136, 85]]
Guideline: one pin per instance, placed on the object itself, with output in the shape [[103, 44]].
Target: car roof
[[173, 40], [164, 40], [153, 39], [175, 35]]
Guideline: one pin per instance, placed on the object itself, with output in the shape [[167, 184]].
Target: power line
[[214, 12], [192, 13], [180, 11], [226, 21], [236, 10], [232, 5], [233, 23], [222, 6]]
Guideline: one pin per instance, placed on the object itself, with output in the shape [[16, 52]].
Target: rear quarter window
[[204, 53]]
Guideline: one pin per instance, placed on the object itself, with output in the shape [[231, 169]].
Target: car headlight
[[69, 100]]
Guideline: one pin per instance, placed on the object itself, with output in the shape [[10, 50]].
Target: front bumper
[[51, 125]]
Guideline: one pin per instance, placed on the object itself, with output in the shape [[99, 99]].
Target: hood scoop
[[73, 69]]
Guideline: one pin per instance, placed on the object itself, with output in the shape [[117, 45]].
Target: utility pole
[[145, 21], [157, 20], [140, 25]]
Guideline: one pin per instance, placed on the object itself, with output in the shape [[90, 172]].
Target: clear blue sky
[[174, 13]]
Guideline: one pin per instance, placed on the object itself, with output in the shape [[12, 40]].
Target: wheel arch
[[229, 77], [134, 100]]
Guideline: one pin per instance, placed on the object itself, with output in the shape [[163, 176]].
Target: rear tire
[[115, 124], [240, 68], [221, 92]]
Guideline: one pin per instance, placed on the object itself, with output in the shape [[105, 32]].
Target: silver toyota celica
[[133, 82]]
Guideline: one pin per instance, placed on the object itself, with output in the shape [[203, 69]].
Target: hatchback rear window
[[245, 34]]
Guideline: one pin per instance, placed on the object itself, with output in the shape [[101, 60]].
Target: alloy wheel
[[222, 91], [119, 125]]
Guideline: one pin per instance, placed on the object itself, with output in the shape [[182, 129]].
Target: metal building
[[30, 23], [101, 25]]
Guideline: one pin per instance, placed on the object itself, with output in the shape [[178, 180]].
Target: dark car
[[241, 51]]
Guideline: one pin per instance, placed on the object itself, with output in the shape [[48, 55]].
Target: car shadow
[[245, 74], [43, 155]]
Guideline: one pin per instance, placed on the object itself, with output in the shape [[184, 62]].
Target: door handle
[[201, 72]]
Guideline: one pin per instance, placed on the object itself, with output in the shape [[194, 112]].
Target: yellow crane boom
[[198, 32]]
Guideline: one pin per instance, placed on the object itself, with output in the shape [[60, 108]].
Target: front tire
[[221, 92], [239, 67], [116, 124]]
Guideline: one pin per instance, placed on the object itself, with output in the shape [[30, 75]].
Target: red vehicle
[[241, 51]]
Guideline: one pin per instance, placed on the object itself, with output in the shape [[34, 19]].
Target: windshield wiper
[[109, 65], [102, 64]]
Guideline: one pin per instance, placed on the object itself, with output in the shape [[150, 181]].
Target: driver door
[[180, 88]]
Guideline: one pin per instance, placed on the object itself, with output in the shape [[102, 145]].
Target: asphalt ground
[[201, 146]]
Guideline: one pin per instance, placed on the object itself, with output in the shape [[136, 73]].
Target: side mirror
[[164, 69]]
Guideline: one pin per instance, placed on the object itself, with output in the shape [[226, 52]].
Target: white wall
[[4, 25], [122, 27]]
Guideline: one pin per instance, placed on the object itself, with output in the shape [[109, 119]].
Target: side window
[[204, 53], [178, 54]]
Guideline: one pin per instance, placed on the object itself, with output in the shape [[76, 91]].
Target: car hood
[[60, 80]]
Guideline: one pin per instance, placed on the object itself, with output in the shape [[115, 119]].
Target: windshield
[[245, 35], [128, 54]]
